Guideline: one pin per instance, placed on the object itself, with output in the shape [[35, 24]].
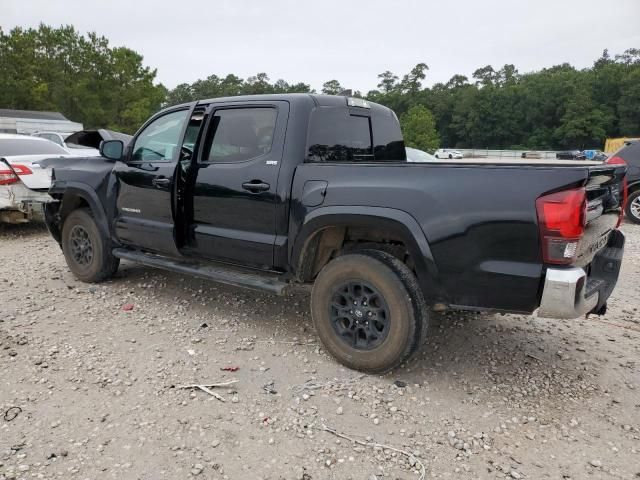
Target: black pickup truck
[[268, 191]]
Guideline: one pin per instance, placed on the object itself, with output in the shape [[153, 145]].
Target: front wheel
[[85, 249], [632, 209], [369, 311]]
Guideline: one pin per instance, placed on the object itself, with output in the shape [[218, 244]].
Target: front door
[[234, 183], [146, 182]]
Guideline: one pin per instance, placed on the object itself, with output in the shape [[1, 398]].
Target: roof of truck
[[318, 99]]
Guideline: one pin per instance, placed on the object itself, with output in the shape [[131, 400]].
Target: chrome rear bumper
[[572, 293], [564, 294]]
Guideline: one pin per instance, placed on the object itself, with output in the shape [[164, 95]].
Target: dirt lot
[[491, 396]]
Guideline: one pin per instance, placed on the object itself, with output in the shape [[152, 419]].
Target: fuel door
[[313, 193]]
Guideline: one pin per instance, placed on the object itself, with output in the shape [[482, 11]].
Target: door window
[[240, 134], [160, 140]]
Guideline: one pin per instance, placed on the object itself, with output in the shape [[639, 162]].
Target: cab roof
[[320, 100]]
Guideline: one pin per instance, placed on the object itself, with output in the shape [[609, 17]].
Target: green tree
[[419, 129], [332, 87], [79, 75], [629, 104], [388, 81]]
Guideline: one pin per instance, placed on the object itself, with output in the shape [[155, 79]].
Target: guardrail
[[486, 153]]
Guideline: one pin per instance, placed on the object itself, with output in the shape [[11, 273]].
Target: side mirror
[[112, 149]]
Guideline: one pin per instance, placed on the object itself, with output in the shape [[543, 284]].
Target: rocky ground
[[89, 389]]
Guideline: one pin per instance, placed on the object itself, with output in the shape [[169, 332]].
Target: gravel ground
[[490, 396]]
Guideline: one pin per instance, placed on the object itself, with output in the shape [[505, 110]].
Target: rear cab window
[[354, 134]]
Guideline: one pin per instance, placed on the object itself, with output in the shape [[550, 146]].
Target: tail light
[[615, 160], [9, 176], [21, 169], [561, 219]]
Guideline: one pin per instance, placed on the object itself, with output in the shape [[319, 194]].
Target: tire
[[85, 249], [397, 305], [450, 156], [632, 209]]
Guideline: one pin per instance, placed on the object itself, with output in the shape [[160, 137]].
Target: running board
[[212, 271]]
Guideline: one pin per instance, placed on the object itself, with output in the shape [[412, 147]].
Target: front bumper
[[573, 292]]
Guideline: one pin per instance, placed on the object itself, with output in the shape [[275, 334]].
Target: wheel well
[[333, 241], [55, 213], [71, 202]]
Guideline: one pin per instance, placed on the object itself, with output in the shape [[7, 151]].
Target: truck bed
[[478, 216]]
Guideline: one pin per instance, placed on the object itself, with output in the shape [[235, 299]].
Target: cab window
[[240, 134], [159, 141]]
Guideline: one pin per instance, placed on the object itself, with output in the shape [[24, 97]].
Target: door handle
[[256, 186], [161, 181]]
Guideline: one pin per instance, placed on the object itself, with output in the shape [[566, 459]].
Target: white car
[[446, 153], [71, 148], [23, 183], [418, 156]]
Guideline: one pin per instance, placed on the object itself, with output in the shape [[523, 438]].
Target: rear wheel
[[633, 207], [450, 156], [369, 311], [85, 249]]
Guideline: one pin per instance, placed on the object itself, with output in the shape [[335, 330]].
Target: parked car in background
[[415, 156], [630, 154], [61, 139], [23, 183], [446, 153], [571, 155], [531, 155]]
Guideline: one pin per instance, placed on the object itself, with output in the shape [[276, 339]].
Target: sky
[[348, 40]]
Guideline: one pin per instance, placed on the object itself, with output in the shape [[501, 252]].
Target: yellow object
[[613, 144]]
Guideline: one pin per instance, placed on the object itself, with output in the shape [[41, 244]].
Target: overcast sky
[[350, 40]]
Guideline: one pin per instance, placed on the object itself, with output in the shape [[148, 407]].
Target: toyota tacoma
[[269, 191]]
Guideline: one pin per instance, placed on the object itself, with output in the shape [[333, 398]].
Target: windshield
[[29, 146]]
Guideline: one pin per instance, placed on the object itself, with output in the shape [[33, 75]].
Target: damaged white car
[[23, 183]]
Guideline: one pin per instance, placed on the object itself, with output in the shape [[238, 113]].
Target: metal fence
[[486, 153]]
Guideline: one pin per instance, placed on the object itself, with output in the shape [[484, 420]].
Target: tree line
[[81, 76], [557, 107]]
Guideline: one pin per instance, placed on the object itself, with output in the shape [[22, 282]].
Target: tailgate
[[605, 197]]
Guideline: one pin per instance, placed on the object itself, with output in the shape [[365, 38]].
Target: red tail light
[[561, 219], [615, 160], [7, 177], [21, 169]]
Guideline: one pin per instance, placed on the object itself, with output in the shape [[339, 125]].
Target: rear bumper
[[573, 292], [19, 204]]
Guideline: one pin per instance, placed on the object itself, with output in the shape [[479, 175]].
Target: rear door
[[233, 191], [147, 189]]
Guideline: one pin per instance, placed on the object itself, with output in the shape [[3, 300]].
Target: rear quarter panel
[[479, 220]]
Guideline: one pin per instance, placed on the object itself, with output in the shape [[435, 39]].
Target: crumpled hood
[[92, 171], [73, 161]]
